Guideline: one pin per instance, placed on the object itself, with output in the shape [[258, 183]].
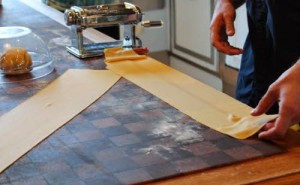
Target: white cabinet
[[156, 39], [241, 31], [190, 42], [229, 65], [190, 34], [192, 52]]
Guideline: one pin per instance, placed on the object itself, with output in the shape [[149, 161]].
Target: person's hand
[[222, 26], [286, 92]]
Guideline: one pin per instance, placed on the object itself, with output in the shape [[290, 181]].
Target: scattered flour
[[173, 135], [183, 133]]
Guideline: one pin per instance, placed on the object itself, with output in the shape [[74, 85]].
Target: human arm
[[222, 26], [286, 92]]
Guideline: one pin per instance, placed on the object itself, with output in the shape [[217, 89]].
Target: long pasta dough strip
[[201, 102], [32, 121]]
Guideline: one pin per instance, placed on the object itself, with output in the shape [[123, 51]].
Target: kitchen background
[[184, 40]]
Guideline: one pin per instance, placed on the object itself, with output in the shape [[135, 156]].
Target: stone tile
[[75, 182], [62, 132], [90, 171], [23, 160], [191, 164], [163, 170], [17, 172], [266, 148], [56, 142], [138, 126], [227, 143], [17, 90], [128, 118], [44, 155], [134, 149], [210, 135], [110, 154], [148, 159], [96, 115], [119, 165], [243, 152], [217, 159], [108, 100], [148, 135], [91, 147], [64, 136], [68, 139], [4, 178], [175, 154], [201, 148], [127, 139], [61, 177], [106, 122], [39, 180], [77, 127], [133, 176], [154, 104], [52, 165], [89, 135], [120, 111], [114, 131], [152, 115], [75, 159], [105, 180]]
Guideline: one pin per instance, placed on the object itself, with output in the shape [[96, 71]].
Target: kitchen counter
[[283, 168]]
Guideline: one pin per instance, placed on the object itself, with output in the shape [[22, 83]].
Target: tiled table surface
[[127, 136]]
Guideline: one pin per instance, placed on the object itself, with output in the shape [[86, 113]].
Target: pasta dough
[[15, 61], [39, 116], [118, 54], [243, 127], [195, 99]]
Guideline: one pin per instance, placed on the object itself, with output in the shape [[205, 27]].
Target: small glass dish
[[12, 41]]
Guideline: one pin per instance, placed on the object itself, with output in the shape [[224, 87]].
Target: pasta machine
[[125, 15]]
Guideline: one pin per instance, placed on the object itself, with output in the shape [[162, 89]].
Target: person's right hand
[[222, 26], [284, 91]]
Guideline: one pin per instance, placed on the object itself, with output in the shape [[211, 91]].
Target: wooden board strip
[[34, 120]]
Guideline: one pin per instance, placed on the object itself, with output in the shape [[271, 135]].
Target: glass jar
[[24, 55]]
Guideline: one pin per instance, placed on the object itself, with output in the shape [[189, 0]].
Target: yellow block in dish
[[201, 102], [118, 54], [34, 120]]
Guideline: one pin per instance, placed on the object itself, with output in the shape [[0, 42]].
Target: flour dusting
[[155, 149], [171, 136], [183, 133]]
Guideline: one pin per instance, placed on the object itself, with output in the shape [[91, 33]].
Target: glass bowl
[[24, 55]]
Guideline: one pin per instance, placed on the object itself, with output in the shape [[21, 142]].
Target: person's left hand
[[286, 92], [222, 27]]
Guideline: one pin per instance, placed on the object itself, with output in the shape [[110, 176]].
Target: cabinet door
[[190, 34], [238, 40]]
